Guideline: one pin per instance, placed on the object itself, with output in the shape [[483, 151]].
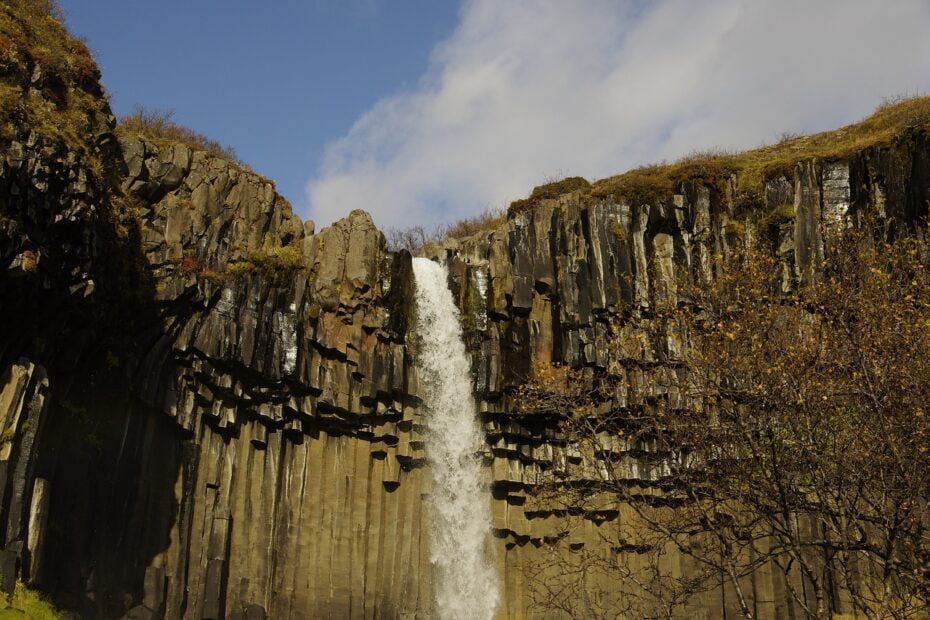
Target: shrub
[[891, 121], [274, 262], [806, 407], [490, 218], [414, 238], [29, 604], [66, 103], [549, 191], [189, 264], [159, 126]]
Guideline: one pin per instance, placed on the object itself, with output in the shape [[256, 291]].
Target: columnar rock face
[[576, 283], [209, 409], [255, 448], [262, 438], [23, 402]]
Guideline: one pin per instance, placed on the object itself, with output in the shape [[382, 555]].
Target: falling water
[[460, 516]]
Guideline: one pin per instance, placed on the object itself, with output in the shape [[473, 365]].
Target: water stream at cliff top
[[459, 503]]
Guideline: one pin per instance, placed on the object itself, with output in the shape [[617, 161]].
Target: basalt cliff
[[208, 409]]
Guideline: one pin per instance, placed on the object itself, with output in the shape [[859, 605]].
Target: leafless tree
[[790, 435]]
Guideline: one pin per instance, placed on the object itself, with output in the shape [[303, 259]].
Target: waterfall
[[459, 503]]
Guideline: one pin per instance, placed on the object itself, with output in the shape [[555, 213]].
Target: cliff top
[[49, 81], [49, 84], [890, 122], [158, 126]]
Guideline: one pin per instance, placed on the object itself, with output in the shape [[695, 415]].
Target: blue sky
[[423, 111], [275, 80]]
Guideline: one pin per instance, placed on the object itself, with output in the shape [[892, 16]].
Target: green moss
[[889, 124], [158, 126], [276, 263], [211, 275], [65, 102], [619, 232], [782, 214], [28, 603], [7, 435], [548, 192], [112, 360], [12, 113], [473, 306], [239, 269]]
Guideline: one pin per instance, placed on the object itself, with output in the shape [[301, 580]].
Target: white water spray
[[460, 515]]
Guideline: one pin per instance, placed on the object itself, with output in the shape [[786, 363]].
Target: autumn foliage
[[794, 432], [808, 412]]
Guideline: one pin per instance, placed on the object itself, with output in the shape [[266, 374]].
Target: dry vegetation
[[550, 189], [275, 262], [160, 127], [415, 238], [891, 121], [894, 120], [27, 603], [799, 439], [48, 78]]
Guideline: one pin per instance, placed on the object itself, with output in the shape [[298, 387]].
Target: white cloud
[[522, 90]]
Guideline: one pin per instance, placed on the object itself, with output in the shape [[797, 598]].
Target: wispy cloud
[[526, 89]]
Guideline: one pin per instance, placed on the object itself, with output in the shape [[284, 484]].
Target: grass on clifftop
[[415, 238], [27, 603], [160, 127], [889, 122], [48, 79], [49, 82], [553, 189], [274, 262]]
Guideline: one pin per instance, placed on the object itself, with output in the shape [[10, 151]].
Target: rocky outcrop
[[56, 223], [227, 416], [23, 403], [262, 426]]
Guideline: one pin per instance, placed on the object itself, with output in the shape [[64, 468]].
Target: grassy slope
[[752, 168], [49, 81], [27, 603], [158, 127]]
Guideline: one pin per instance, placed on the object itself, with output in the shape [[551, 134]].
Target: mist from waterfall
[[459, 503]]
